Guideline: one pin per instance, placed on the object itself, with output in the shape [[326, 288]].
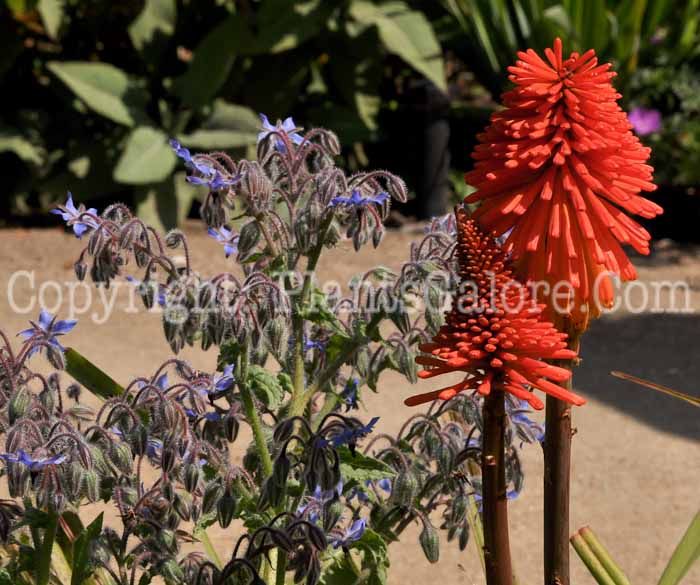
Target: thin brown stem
[[495, 501], [557, 475]]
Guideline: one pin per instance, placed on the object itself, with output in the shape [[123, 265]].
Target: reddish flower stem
[[557, 475], [495, 502]]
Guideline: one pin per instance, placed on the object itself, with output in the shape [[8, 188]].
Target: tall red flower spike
[[559, 166], [494, 332]]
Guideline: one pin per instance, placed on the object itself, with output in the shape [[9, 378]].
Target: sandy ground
[[635, 469]]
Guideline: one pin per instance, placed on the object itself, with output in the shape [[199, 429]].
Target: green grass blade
[[594, 566], [686, 553], [601, 553]]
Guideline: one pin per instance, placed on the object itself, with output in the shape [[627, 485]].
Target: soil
[[636, 452]]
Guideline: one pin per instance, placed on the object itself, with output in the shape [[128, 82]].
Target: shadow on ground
[[663, 348]]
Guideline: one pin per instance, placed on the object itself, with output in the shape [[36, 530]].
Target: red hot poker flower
[[559, 166], [494, 332]]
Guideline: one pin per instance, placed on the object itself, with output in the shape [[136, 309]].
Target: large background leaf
[[104, 88], [406, 33], [229, 126], [147, 157]]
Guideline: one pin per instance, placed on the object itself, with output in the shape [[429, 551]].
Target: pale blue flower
[[48, 329], [71, 214], [287, 127]]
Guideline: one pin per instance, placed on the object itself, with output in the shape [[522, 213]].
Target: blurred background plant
[[94, 89]]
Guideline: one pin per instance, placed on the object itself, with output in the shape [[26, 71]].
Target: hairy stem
[[557, 471], [253, 417], [299, 397], [44, 548], [495, 502]]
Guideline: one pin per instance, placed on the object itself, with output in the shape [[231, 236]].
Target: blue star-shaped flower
[[71, 214], [48, 329], [227, 238], [351, 434], [33, 464], [357, 200], [349, 394], [316, 501], [287, 127], [225, 380], [213, 179], [352, 534], [209, 176]]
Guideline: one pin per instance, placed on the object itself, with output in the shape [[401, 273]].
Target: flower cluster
[[558, 171], [494, 334]]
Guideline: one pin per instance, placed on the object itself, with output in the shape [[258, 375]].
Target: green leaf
[[361, 468], [105, 89], [406, 33], [20, 7], [90, 376], [686, 553], [51, 12], [81, 551], [147, 157], [284, 25], [229, 126], [167, 204], [212, 62], [375, 557], [266, 387], [157, 19], [13, 141]]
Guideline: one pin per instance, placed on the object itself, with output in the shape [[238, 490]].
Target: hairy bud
[[429, 541]]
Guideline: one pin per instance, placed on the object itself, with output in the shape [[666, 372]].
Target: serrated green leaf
[[147, 157], [51, 12], [105, 89], [406, 33], [229, 126], [157, 19], [375, 557], [361, 468], [266, 387], [320, 313]]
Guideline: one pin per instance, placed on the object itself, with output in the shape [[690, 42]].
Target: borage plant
[[317, 500]]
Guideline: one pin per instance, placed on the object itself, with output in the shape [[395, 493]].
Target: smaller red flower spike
[[495, 332]]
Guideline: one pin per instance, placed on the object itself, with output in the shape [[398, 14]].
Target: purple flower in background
[[48, 329], [33, 464], [287, 127], [227, 238], [645, 121], [70, 213], [357, 200], [352, 534]]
